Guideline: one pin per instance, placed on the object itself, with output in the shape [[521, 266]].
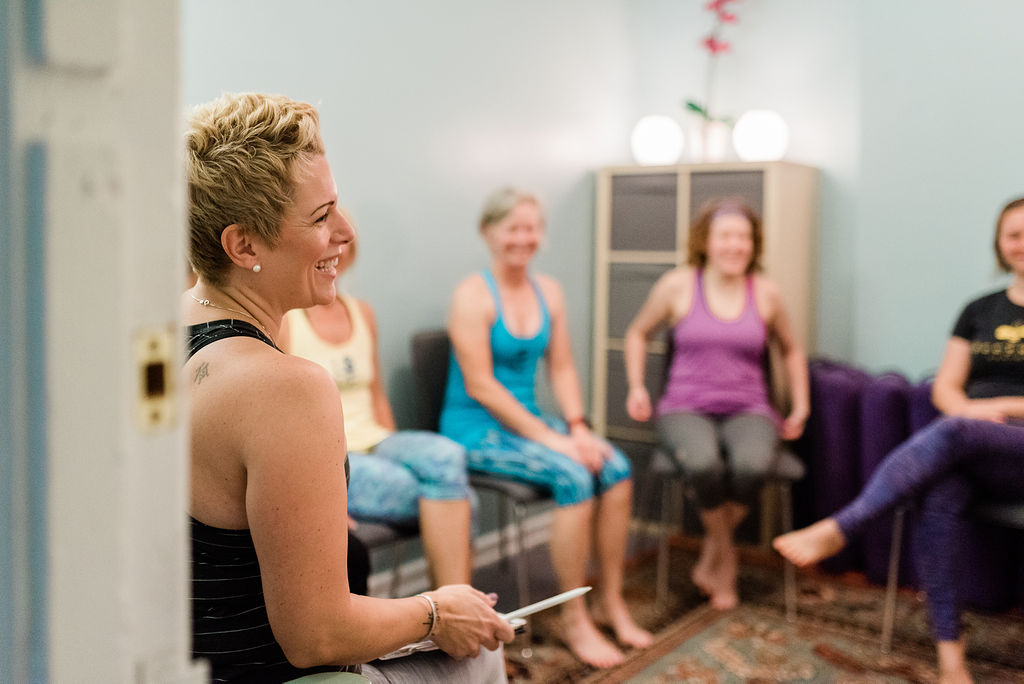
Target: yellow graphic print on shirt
[[1010, 333], [1007, 347]]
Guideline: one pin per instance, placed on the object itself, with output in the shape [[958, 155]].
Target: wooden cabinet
[[643, 216]]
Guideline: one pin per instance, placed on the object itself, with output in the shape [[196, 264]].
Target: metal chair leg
[[397, 556], [889, 611], [661, 583], [788, 569], [522, 572], [503, 505]]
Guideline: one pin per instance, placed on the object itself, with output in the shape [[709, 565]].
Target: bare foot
[[811, 544], [960, 676], [627, 632], [724, 595], [588, 644]]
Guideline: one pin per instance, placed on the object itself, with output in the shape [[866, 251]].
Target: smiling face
[[730, 246], [314, 234], [514, 239], [1011, 241]]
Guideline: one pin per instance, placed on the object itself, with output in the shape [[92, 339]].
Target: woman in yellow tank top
[[396, 476]]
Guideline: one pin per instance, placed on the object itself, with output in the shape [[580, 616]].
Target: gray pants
[[726, 459], [436, 666]]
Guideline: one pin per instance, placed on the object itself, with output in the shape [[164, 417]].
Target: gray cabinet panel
[[707, 185], [643, 213], [628, 286]]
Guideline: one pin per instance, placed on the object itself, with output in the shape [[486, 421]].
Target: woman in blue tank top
[[715, 417], [502, 323]]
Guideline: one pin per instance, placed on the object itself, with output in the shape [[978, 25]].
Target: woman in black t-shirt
[[974, 452]]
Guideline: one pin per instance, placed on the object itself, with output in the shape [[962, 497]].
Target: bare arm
[[794, 359], [657, 308], [296, 502], [950, 397], [381, 406], [469, 328]]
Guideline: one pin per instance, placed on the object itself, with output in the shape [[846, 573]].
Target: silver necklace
[[207, 302]]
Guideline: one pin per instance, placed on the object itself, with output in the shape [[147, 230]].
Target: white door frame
[[94, 491]]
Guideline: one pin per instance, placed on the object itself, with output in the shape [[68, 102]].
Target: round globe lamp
[[656, 139], [760, 135]]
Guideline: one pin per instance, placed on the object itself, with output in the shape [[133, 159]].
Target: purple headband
[[729, 208]]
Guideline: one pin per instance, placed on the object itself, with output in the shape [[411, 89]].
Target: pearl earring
[[257, 268]]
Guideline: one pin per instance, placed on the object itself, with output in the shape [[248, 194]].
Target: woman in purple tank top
[[715, 416]]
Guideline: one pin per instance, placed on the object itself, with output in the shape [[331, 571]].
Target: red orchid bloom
[[717, 5], [714, 45]]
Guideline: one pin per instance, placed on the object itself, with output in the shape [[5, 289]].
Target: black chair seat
[[378, 536], [788, 467], [375, 535], [520, 492]]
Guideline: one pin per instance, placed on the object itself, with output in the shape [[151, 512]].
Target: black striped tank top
[[230, 628]]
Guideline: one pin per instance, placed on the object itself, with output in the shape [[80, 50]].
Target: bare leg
[[444, 528], [737, 513], [718, 575], [703, 574], [953, 662], [611, 533], [811, 544], [570, 550]]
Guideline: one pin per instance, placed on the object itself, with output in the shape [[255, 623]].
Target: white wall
[[905, 107]]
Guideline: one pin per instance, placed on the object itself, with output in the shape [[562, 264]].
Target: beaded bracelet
[[432, 613]]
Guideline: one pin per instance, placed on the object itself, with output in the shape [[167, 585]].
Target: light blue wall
[[942, 140], [908, 108], [426, 107], [8, 531]]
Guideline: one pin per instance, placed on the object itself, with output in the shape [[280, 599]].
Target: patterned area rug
[[834, 639]]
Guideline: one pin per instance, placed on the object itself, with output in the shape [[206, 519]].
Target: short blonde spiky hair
[[243, 155]]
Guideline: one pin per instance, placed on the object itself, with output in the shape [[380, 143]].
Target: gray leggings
[[725, 459], [436, 666]]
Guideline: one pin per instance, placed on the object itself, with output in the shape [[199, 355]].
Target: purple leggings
[[944, 467]]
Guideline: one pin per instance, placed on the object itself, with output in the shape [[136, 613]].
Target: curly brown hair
[[700, 229]]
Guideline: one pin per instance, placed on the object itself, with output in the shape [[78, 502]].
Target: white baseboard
[[486, 550]]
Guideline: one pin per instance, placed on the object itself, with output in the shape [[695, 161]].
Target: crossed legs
[[945, 467]]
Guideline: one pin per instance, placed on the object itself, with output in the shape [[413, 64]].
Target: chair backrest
[[431, 350]]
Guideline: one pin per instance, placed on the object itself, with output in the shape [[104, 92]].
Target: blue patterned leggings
[[387, 484], [944, 467], [507, 454]]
